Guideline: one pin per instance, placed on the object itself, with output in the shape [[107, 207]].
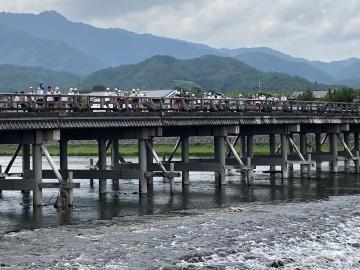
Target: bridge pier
[[102, 164], [347, 157], [333, 165], [150, 160], [303, 151], [318, 150], [115, 161], [290, 150], [142, 166], [26, 167], [219, 147], [185, 159], [272, 151], [37, 168], [243, 146], [284, 156]]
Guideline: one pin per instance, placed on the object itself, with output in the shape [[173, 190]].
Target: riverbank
[[132, 150]]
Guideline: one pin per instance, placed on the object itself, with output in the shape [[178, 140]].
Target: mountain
[[51, 41], [208, 72], [20, 48], [113, 46], [267, 63], [16, 78]]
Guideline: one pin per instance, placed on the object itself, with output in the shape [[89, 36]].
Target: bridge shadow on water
[[199, 196]]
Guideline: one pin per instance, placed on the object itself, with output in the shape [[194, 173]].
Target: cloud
[[322, 29]]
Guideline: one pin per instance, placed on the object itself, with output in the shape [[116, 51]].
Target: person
[[134, 98], [31, 92], [50, 98], [107, 98], [22, 99], [120, 98]]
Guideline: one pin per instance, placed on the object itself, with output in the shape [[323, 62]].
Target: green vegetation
[[161, 149], [343, 95], [207, 72], [17, 78], [307, 95]]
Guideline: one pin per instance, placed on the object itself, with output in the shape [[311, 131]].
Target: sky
[[313, 29]]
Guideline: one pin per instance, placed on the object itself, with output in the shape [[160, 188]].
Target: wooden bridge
[[33, 121]]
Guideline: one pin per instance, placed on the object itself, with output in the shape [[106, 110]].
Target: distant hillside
[[20, 48], [51, 41], [266, 63], [208, 72], [113, 46], [15, 78]]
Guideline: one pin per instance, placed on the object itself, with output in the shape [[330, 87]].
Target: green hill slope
[[208, 72], [15, 78]]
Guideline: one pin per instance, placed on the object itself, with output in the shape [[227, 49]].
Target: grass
[[132, 150]]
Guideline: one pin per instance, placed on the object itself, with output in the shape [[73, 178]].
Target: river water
[[299, 223]]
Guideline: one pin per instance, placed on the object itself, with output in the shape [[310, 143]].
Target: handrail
[[11, 102]]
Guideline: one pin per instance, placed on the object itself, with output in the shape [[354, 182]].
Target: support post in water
[[115, 159], [303, 151], [219, 147], [142, 166], [102, 165], [70, 181], [347, 158], [318, 150], [91, 168], [172, 180], [150, 160], [272, 151], [284, 156], [333, 165], [25, 168], [37, 168], [185, 159]]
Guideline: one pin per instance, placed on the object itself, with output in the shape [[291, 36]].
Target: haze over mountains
[[50, 41]]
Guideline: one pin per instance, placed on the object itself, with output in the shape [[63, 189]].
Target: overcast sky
[[314, 29]]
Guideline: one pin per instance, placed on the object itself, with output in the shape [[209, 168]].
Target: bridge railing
[[27, 103]]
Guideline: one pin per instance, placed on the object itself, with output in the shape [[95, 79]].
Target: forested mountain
[[15, 78], [20, 48], [207, 72], [51, 41]]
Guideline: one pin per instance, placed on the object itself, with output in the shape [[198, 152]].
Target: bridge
[[33, 121]]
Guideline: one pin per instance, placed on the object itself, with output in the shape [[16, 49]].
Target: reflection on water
[[200, 194]]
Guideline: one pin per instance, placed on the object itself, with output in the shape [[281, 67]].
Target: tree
[[343, 95], [307, 95], [98, 88]]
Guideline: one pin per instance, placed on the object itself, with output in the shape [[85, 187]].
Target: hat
[[57, 88], [133, 90], [209, 94], [71, 89], [30, 87], [107, 89], [75, 89]]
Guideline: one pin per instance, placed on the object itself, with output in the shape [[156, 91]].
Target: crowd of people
[[117, 99]]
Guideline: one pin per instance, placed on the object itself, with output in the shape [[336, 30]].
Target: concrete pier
[[318, 150], [333, 165], [26, 166], [115, 161], [284, 156], [219, 147], [150, 161], [185, 159], [102, 165], [303, 151], [142, 166], [272, 150], [37, 168], [347, 160]]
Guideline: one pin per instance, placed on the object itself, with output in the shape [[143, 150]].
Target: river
[[299, 223]]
